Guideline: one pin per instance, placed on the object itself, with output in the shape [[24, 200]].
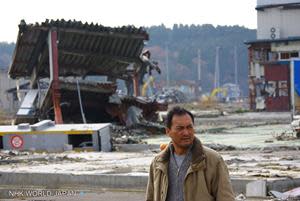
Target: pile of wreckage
[[73, 70]]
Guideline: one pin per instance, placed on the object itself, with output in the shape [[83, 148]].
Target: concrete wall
[[103, 137], [55, 142], [49, 142], [46, 136], [285, 21]]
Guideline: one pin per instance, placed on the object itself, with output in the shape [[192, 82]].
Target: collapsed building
[[75, 70]]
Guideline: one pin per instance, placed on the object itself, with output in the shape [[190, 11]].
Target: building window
[[283, 88], [284, 55], [288, 55], [294, 54]]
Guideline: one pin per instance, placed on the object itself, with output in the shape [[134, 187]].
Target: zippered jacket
[[207, 178]]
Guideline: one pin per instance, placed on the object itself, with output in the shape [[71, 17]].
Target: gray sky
[[127, 12]]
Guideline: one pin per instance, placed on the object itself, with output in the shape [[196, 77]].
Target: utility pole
[[199, 66], [198, 82], [217, 69], [235, 66], [167, 66]]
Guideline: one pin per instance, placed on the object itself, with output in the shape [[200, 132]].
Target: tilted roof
[[83, 49]]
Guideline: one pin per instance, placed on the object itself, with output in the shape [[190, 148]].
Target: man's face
[[181, 131]]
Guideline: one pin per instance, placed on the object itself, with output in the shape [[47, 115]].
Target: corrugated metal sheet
[[84, 49], [279, 77], [277, 104], [276, 72]]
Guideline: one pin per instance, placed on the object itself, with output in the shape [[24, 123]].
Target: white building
[[278, 19]]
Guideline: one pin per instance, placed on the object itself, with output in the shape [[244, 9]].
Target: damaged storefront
[[270, 77]]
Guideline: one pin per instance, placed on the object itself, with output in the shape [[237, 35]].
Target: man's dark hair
[[177, 111]]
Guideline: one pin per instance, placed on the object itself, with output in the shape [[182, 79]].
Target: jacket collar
[[197, 153]]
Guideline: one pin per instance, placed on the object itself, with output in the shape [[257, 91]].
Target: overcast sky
[[127, 12]]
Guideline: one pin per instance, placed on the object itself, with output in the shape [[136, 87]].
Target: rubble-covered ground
[[254, 145], [263, 147], [241, 163]]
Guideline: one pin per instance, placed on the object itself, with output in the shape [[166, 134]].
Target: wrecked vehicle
[[81, 65]]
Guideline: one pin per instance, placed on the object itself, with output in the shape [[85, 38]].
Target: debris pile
[[285, 136], [170, 95], [291, 195]]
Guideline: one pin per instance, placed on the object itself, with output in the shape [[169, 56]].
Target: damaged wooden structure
[[81, 63]]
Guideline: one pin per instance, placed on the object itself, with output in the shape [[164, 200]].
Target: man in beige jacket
[[185, 170]]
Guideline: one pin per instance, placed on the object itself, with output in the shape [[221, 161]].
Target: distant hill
[[183, 42]]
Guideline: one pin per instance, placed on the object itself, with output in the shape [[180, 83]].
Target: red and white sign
[[16, 141]]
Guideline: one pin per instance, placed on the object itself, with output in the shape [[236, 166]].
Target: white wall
[[284, 21]]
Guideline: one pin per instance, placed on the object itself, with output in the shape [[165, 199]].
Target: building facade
[[270, 55]]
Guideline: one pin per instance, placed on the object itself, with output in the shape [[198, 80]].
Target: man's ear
[[167, 130]]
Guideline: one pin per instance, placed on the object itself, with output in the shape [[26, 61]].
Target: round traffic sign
[[16, 141]]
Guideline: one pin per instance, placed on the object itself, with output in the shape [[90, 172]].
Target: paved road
[[102, 195], [82, 196]]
